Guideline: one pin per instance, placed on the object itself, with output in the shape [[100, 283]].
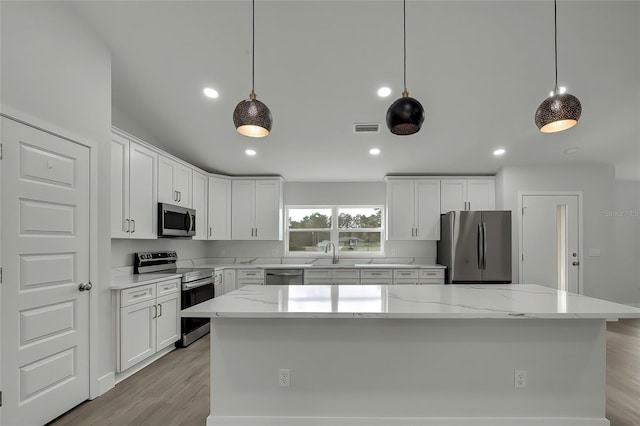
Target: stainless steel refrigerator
[[475, 246]]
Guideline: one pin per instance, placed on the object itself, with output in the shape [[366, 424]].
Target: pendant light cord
[[555, 32], [253, 48], [404, 39]]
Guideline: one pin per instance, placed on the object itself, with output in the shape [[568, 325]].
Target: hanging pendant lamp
[[251, 117], [406, 115], [560, 111]]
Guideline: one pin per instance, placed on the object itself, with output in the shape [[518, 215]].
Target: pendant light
[[405, 115], [560, 111], [251, 117]]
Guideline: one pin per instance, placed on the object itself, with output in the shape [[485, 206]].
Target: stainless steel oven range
[[197, 286]]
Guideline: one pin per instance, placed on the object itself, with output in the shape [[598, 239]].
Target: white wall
[[598, 185], [57, 75]]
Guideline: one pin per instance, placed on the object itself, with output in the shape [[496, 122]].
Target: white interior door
[[549, 252], [45, 247]]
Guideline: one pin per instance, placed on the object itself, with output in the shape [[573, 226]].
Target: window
[[353, 229]]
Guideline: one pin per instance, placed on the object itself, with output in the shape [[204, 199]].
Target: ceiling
[[479, 68]]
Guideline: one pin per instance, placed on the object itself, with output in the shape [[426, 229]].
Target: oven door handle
[[189, 286]]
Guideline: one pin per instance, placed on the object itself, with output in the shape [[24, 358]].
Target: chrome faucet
[[334, 259]]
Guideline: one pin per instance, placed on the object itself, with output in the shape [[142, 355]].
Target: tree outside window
[[357, 229]]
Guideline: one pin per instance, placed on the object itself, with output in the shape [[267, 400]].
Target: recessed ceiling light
[[212, 93], [499, 151], [374, 151], [571, 150], [250, 152], [383, 92]]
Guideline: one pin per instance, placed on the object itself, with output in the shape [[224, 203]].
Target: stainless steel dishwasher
[[283, 276]]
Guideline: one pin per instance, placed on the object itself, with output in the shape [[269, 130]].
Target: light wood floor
[[175, 389]]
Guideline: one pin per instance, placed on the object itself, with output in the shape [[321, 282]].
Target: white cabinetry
[[229, 280], [413, 209], [332, 276], [431, 276], [133, 190], [219, 209], [376, 276], [467, 194], [405, 276], [200, 194], [174, 182], [148, 321], [249, 276], [257, 209]]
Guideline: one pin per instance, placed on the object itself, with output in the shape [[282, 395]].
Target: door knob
[[85, 286], [575, 263]]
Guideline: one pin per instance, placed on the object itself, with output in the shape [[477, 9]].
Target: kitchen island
[[488, 355]]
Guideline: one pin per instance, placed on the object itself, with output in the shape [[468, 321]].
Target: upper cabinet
[[257, 209], [467, 194], [219, 227], [413, 209], [200, 195], [174, 183], [133, 190]]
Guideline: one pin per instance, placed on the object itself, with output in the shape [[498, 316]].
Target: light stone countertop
[[499, 301], [128, 281]]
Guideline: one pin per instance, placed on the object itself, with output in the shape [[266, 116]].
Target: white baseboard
[[142, 364], [389, 421], [106, 383]]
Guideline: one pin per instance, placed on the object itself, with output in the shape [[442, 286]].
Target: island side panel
[[344, 371]]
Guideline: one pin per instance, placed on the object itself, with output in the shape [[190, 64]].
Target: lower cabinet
[[148, 319], [332, 276], [249, 276], [431, 276], [375, 276]]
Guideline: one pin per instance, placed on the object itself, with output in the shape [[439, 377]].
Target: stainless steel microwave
[[176, 221]]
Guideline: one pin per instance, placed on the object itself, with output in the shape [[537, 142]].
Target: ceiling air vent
[[366, 127]]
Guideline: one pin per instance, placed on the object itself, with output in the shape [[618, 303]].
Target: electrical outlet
[[520, 379], [284, 377]]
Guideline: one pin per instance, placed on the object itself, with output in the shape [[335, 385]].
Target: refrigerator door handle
[[484, 245], [480, 246]]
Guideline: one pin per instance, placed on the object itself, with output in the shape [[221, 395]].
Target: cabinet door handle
[[209, 231], [256, 232], [175, 195], [155, 312], [128, 225], [160, 314], [133, 222], [179, 196], [417, 232]]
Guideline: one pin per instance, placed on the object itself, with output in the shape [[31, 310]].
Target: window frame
[[334, 230]]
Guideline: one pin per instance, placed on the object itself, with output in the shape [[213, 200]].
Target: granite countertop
[[319, 266], [127, 281], [499, 301]]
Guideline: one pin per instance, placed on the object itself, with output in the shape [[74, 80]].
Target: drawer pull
[[376, 273], [431, 273]]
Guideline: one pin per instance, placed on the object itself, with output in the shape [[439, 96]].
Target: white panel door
[[550, 241], [143, 205], [400, 209], [200, 184], [120, 224], [427, 209], [219, 209], [242, 208], [268, 210], [453, 195], [167, 320], [45, 248], [481, 194]]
